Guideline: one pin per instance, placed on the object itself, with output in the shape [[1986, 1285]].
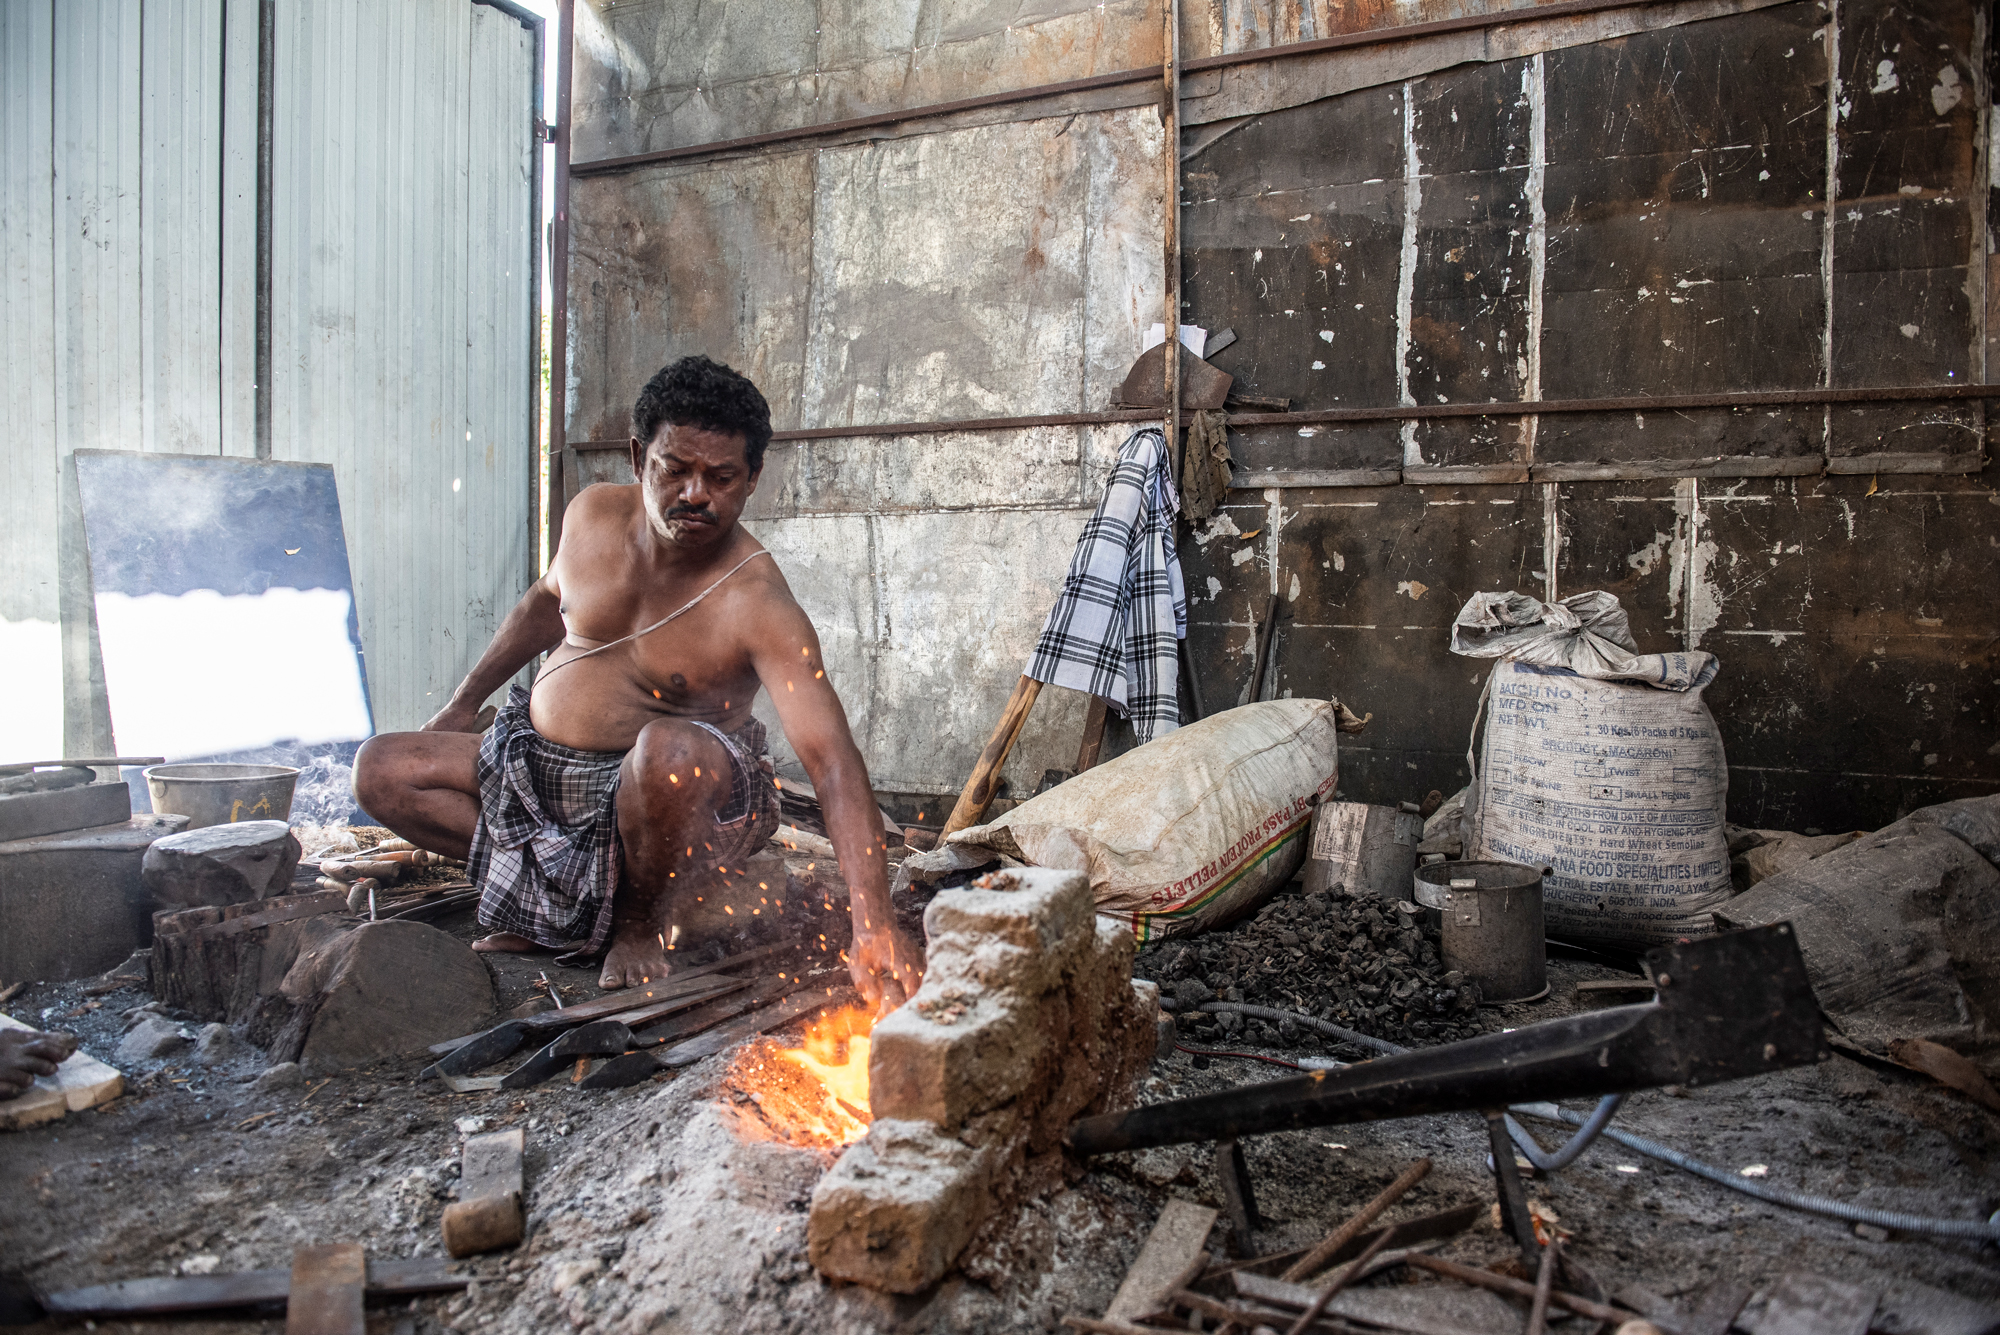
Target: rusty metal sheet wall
[[1641, 215], [402, 307], [658, 74], [1625, 203], [1004, 269]]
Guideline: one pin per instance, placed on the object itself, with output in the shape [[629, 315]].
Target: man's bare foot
[[511, 943], [633, 960], [27, 1053]]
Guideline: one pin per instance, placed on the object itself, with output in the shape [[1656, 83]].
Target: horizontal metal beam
[[1118, 78]]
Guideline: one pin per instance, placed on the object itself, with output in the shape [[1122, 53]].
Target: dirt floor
[[667, 1207]]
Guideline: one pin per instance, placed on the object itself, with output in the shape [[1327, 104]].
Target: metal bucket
[[1370, 850], [222, 794], [1492, 929]]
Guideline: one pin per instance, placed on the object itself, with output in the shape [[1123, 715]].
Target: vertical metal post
[[537, 447], [559, 280], [1170, 103], [267, 50]]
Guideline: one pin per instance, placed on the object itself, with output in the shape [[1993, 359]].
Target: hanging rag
[[1115, 627], [1204, 466]]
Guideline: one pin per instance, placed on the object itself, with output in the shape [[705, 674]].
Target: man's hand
[[454, 717], [886, 965], [27, 1053]]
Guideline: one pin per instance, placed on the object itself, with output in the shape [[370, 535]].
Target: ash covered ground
[[669, 1206]]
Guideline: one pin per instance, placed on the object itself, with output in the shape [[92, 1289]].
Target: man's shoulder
[[604, 498]]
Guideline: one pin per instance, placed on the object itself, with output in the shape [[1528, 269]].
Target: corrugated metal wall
[[402, 315], [405, 219], [1629, 202]]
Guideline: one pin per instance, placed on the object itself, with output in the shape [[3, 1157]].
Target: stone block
[[150, 1039], [898, 1208], [950, 1055], [82, 807], [73, 904], [1020, 930], [386, 988], [222, 864]]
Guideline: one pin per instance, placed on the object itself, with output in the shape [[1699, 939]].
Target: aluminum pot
[[1492, 926], [222, 794]]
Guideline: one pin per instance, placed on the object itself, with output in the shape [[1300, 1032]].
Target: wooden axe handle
[[978, 794]]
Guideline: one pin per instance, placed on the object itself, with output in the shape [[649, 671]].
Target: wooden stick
[[1515, 1288], [978, 794], [1265, 634], [1340, 1279], [1313, 1260], [1093, 734], [1545, 1282], [82, 762]]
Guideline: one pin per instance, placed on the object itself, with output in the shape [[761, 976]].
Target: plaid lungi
[[546, 855], [1116, 626]]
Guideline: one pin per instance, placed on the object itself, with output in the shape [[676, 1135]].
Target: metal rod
[[1339, 1282], [267, 59], [1507, 1180], [1170, 116], [1545, 1283], [1313, 1261], [1513, 1288], [1737, 1005], [559, 278], [1119, 78], [1638, 403]]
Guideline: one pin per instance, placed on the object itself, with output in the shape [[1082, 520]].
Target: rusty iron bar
[[1114, 79], [1319, 1257], [1636, 403], [1729, 1006]]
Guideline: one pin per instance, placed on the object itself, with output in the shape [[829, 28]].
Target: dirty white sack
[[1600, 763], [1192, 829]]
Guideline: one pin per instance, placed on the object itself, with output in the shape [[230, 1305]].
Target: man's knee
[[676, 766], [388, 766]]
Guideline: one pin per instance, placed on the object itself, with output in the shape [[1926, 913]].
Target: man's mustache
[[681, 511]]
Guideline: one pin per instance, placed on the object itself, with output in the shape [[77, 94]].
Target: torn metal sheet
[[656, 76], [1267, 86]]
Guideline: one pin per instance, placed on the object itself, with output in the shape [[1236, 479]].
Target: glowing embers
[[817, 1093]]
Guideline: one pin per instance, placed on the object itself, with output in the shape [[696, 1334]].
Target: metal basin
[[1492, 929], [222, 794]]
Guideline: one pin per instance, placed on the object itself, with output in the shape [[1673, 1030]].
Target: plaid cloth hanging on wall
[[1114, 629]]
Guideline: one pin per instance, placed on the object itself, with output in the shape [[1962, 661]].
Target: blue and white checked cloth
[[1114, 629]]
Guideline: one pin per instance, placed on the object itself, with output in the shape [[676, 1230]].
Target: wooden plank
[[1093, 734], [1176, 1242], [284, 909], [328, 1283], [1808, 1304], [81, 1081], [249, 1288], [488, 1212]]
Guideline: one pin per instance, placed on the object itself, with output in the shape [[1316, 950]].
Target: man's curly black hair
[[695, 391]]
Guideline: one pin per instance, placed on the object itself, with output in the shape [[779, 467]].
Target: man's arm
[[534, 626], [886, 965]]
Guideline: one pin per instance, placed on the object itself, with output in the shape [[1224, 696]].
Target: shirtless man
[[634, 768]]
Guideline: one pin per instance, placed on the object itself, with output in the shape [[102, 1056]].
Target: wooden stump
[[219, 963]]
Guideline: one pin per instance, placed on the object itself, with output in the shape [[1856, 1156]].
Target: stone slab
[[386, 988], [25, 815], [1176, 1240], [72, 904], [222, 864], [80, 1082]]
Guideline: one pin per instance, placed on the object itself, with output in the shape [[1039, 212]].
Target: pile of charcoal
[[1362, 964]]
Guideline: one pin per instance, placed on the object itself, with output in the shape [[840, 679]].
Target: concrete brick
[[898, 1207], [25, 815], [73, 904], [949, 1055], [1022, 934]]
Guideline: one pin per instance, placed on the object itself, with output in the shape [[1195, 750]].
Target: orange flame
[[816, 1093]]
